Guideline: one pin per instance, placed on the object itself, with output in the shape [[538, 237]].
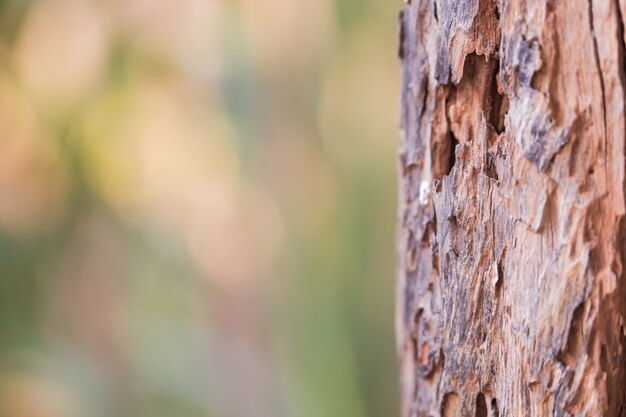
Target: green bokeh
[[109, 304]]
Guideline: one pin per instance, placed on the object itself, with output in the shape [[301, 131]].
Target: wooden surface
[[511, 294]]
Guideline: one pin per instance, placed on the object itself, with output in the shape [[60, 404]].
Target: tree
[[511, 280]]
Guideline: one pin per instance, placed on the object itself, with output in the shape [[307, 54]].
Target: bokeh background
[[197, 208]]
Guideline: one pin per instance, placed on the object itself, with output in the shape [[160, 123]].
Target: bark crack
[[481, 405], [596, 55]]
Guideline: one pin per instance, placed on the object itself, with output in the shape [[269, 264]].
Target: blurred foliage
[[197, 208]]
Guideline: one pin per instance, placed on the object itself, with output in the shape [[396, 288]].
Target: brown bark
[[511, 278]]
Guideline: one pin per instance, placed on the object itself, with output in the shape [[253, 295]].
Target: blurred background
[[197, 208]]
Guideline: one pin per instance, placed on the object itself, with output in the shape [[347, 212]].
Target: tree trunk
[[511, 279]]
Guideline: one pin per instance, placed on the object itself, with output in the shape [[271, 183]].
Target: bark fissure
[[568, 356], [596, 56], [481, 405], [495, 411]]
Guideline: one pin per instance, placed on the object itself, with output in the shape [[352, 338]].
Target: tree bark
[[511, 279]]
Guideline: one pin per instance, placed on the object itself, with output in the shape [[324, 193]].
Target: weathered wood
[[511, 243]]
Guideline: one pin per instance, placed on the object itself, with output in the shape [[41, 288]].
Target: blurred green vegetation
[[197, 208]]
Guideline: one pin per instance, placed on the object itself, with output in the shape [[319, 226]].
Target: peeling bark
[[511, 285]]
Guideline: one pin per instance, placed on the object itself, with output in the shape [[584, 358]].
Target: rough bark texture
[[511, 278]]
